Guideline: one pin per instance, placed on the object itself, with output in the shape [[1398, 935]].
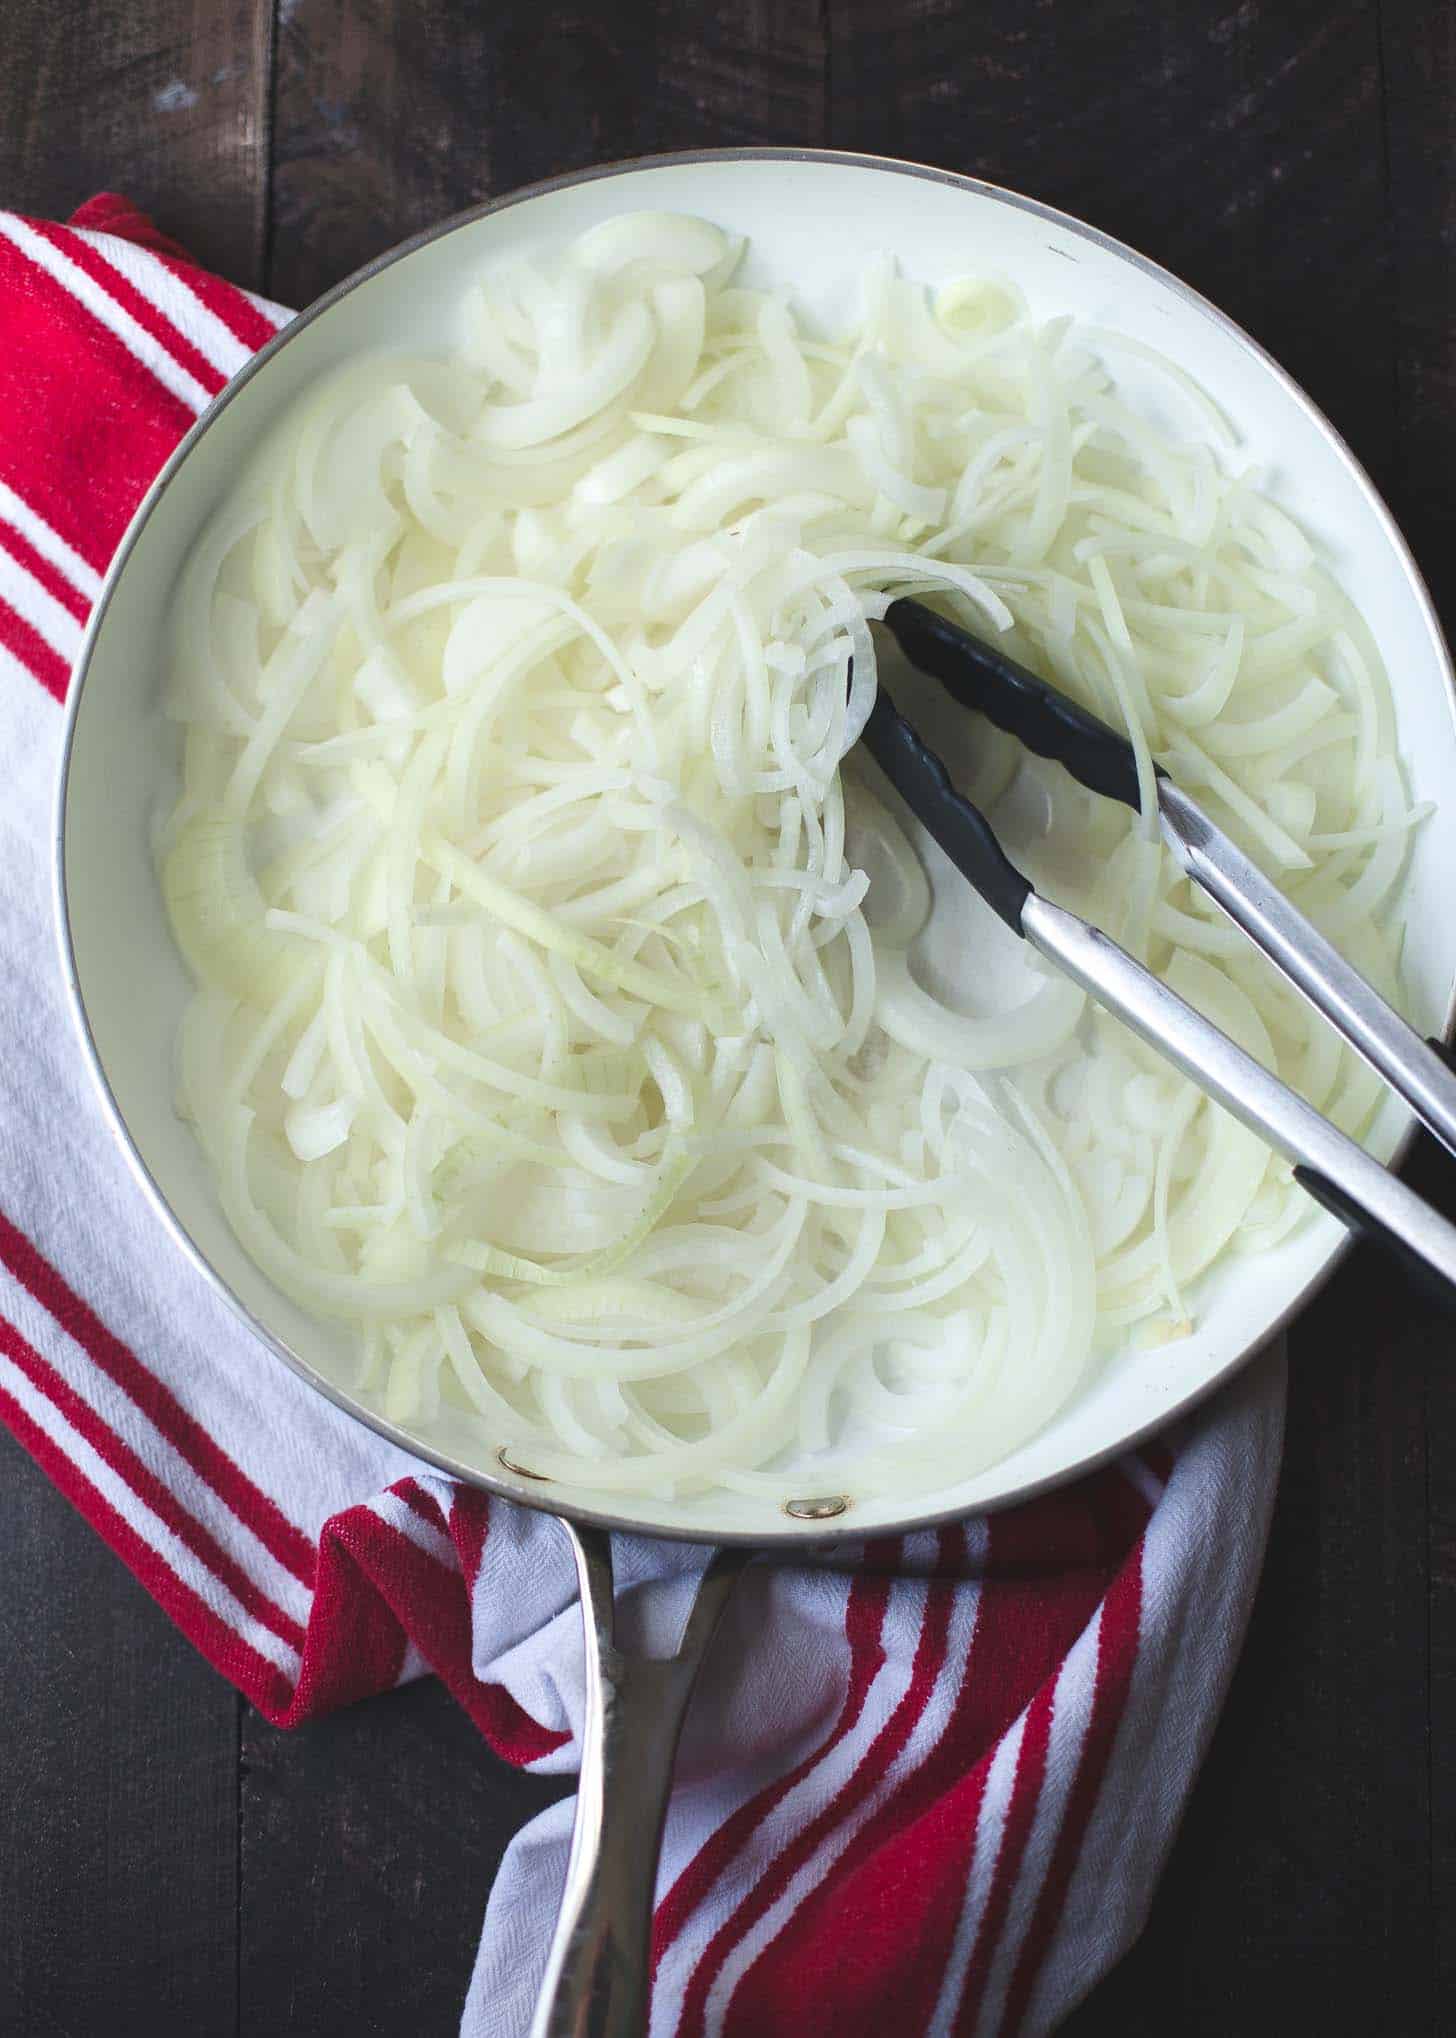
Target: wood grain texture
[[1419, 75], [165, 100], [1418, 55], [368, 1846], [380, 125], [119, 1776], [118, 1791], [1240, 145], [389, 115]]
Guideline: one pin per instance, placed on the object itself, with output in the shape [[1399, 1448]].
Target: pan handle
[[597, 1972]]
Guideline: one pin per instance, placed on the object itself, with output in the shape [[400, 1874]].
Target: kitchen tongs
[[1332, 1167]]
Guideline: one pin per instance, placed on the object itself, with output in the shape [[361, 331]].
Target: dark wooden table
[[169, 1863]]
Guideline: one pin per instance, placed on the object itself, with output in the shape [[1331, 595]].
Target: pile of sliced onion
[[545, 1030]]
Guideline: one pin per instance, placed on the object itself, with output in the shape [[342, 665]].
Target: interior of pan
[[812, 221]]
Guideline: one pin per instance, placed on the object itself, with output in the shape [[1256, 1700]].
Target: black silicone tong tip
[[920, 778], [981, 677]]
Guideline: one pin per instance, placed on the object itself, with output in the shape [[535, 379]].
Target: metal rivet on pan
[[817, 1510], [521, 1471]]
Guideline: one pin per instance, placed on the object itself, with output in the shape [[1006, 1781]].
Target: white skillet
[[811, 219]]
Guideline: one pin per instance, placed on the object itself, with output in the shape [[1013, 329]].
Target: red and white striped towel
[[930, 1793]]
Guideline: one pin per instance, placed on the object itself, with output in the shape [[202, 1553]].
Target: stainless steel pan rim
[[543, 1494]]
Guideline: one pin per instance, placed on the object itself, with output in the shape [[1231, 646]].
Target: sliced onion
[[556, 1025]]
